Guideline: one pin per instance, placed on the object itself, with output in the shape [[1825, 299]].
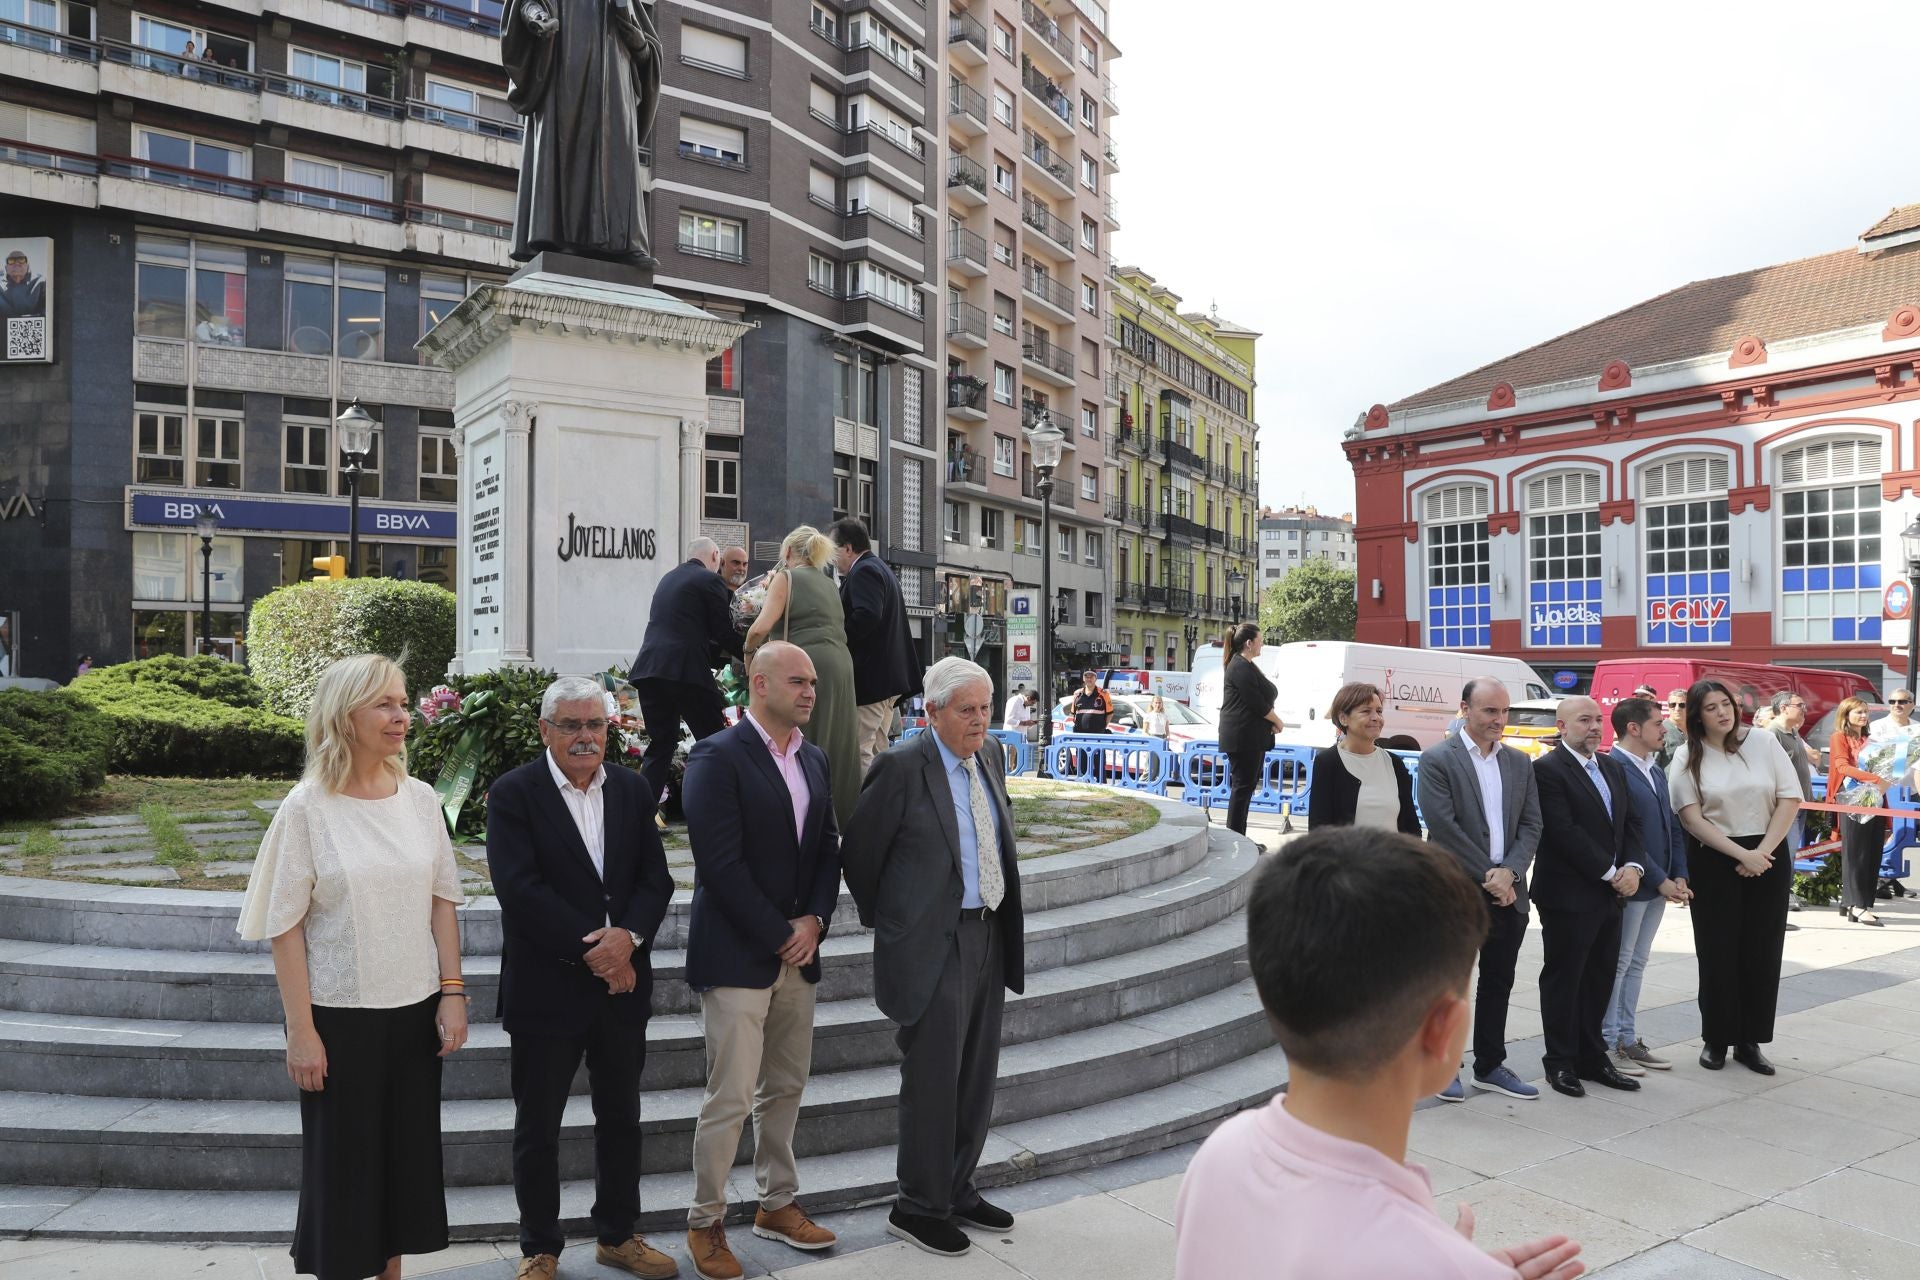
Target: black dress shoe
[[989, 1216], [935, 1235], [1566, 1082], [1610, 1076], [1750, 1057], [1713, 1059]]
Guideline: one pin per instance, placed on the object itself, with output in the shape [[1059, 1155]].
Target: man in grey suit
[[1463, 779], [929, 858]]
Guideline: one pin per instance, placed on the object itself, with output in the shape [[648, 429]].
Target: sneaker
[[934, 1235], [1639, 1052], [1501, 1080], [1454, 1092], [712, 1259], [1623, 1063], [791, 1225], [541, 1266], [989, 1217], [642, 1259]]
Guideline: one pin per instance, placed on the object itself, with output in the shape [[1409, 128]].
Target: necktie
[[1600, 785], [986, 838]]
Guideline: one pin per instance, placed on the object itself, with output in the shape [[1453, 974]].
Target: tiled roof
[[1794, 299], [1905, 218]]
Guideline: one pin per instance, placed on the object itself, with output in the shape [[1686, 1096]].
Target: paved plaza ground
[[1814, 1172]]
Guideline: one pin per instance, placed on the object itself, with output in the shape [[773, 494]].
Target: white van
[[1422, 686]]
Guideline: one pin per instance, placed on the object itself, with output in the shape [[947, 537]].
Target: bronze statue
[[586, 75]]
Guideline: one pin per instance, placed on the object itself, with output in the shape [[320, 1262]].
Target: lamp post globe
[[1044, 440], [355, 426]]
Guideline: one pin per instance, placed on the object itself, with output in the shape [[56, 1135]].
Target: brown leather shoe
[[540, 1266], [639, 1257], [791, 1225], [712, 1260]]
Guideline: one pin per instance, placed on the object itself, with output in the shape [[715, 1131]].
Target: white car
[[1184, 724]]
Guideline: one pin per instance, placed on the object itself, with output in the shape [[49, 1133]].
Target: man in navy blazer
[[689, 633], [886, 665], [1638, 733], [766, 857], [583, 885]]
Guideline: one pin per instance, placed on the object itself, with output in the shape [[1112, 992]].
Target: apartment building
[[1029, 155], [1183, 473], [253, 209], [1293, 536]]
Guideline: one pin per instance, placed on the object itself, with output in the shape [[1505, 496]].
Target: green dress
[[814, 621]]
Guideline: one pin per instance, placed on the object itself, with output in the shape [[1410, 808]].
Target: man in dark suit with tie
[[766, 859], [1637, 735], [929, 858], [886, 666], [689, 633], [1587, 865], [583, 885]]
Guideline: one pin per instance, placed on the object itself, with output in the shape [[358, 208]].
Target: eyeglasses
[[572, 728], [1680, 703], [1901, 702]]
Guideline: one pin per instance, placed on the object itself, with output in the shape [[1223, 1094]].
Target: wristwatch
[[639, 943], [823, 925]]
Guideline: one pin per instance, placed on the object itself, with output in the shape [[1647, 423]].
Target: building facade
[[1724, 470], [252, 211], [1028, 157], [1293, 536], [1183, 474]]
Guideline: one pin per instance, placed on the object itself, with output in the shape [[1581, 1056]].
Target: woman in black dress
[[1247, 719]]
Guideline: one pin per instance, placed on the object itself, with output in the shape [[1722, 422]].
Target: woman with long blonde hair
[[356, 886]]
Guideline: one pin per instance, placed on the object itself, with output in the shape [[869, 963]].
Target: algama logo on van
[[1429, 693]]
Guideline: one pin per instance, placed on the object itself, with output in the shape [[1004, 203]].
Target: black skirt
[[370, 1180]]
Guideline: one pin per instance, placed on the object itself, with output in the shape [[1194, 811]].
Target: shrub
[[190, 717], [53, 747], [296, 632]]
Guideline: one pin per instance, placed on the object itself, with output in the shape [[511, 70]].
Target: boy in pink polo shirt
[[1362, 944]]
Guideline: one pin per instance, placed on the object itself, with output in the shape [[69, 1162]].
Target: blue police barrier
[[1134, 762], [1019, 751], [1411, 759], [1286, 780], [1203, 775]]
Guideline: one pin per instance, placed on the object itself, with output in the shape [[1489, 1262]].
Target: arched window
[[1458, 562], [1563, 560], [1689, 586], [1830, 577]]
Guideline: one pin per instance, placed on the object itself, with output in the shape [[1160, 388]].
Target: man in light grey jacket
[[1464, 779]]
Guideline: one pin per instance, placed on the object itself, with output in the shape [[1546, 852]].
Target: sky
[[1395, 194]]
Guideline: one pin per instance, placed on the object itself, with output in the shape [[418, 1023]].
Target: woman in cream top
[[356, 886], [1356, 782], [1736, 793]]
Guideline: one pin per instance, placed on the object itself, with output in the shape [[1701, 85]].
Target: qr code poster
[[26, 297]]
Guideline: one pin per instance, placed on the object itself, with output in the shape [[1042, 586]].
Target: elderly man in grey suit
[[1463, 780], [929, 858]]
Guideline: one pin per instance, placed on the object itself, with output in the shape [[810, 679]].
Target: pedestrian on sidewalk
[[1637, 734], [1356, 781], [1736, 795], [1862, 839], [766, 859], [1362, 944], [356, 885]]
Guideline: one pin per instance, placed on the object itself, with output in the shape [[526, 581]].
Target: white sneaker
[[1625, 1065]]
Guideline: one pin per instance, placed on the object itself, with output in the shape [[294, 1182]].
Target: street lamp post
[[356, 441], [1044, 440], [1910, 547], [206, 524], [1237, 583]]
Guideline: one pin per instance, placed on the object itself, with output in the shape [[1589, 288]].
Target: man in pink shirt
[[1362, 944]]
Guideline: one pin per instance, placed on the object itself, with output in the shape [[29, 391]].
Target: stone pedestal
[[579, 409]]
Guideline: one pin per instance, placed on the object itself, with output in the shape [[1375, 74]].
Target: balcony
[[1112, 99], [1130, 593], [967, 467], [1055, 108], [966, 251], [1138, 516], [966, 324], [1052, 46], [1180, 455], [1181, 527], [1110, 384], [1045, 161], [1049, 362], [465, 122], [483, 17], [330, 201], [966, 39], [194, 180], [966, 397], [454, 220], [1062, 491], [1055, 236], [966, 108], [199, 71], [909, 144], [37, 157], [1048, 292], [966, 180], [1111, 212], [1110, 158]]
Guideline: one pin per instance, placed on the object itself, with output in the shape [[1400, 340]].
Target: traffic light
[[330, 566]]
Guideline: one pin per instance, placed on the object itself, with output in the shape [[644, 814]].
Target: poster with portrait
[[26, 298]]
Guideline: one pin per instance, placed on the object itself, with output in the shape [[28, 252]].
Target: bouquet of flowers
[[1886, 760], [748, 601]]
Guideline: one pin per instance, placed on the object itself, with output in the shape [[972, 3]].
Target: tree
[[1313, 602]]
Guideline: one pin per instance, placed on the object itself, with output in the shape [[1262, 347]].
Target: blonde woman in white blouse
[[356, 886]]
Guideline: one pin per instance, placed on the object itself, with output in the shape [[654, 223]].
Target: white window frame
[[1092, 548], [1002, 176], [1003, 384], [1090, 483], [954, 521], [1562, 507], [142, 132], [992, 527], [724, 464], [316, 437], [707, 235], [444, 457], [823, 273], [1002, 105], [1003, 455], [1002, 37], [1840, 469], [230, 430], [1456, 552], [157, 418], [1682, 484]]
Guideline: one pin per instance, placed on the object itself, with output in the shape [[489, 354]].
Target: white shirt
[[1492, 796], [589, 810], [1017, 714], [1884, 728]]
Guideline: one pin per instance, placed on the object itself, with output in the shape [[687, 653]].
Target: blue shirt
[[963, 818]]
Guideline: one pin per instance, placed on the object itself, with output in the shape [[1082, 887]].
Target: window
[[990, 520], [1089, 234], [1066, 539], [822, 274], [1003, 315], [858, 390], [363, 312], [1458, 563], [332, 71], [853, 488], [1830, 575], [719, 143], [439, 295], [309, 308], [465, 100], [1089, 172], [1094, 547], [160, 302], [216, 451], [864, 279], [826, 22], [823, 102], [1089, 297], [864, 30], [1003, 455], [867, 195], [824, 186], [1002, 37], [723, 372], [722, 500], [713, 50], [1090, 483], [160, 448], [1003, 106], [1026, 536], [1089, 113], [1089, 56], [305, 464], [1003, 384], [864, 112], [178, 151], [1002, 174], [706, 236], [1003, 244], [1684, 509], [1563, 560], [956, 517], [439, 469], [1096, 607], [342, 188]]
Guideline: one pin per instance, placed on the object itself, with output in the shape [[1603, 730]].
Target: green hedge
[[190, 717], [53, 747], [296, 632]]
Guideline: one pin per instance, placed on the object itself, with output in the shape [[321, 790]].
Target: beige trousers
[[759, 1050], [875, 719]]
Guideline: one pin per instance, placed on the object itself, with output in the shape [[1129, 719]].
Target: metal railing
[[1041, 86], [1056, 358], [965, 318], [1181, 455], [965, 171], [465, 121], [1181, 526], [1046, 289], [331, 201], [966, 246], [1042, 219], [1047, 158], [1041, 23], [705, 251], [964, 392], [39, 157], [327, 95], [965, 100], [181, 68], [45, 41], [485, 18], [964, 28], [966, 467], [455, 220], [911, 67], [215, 184], [910, 144]]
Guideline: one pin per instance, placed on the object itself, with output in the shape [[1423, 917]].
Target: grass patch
[[127, 794], [171, 846], [40, 843]]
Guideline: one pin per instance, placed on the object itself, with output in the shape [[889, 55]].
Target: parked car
[[1533, 727], [1184, 724], [1752, 684]]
